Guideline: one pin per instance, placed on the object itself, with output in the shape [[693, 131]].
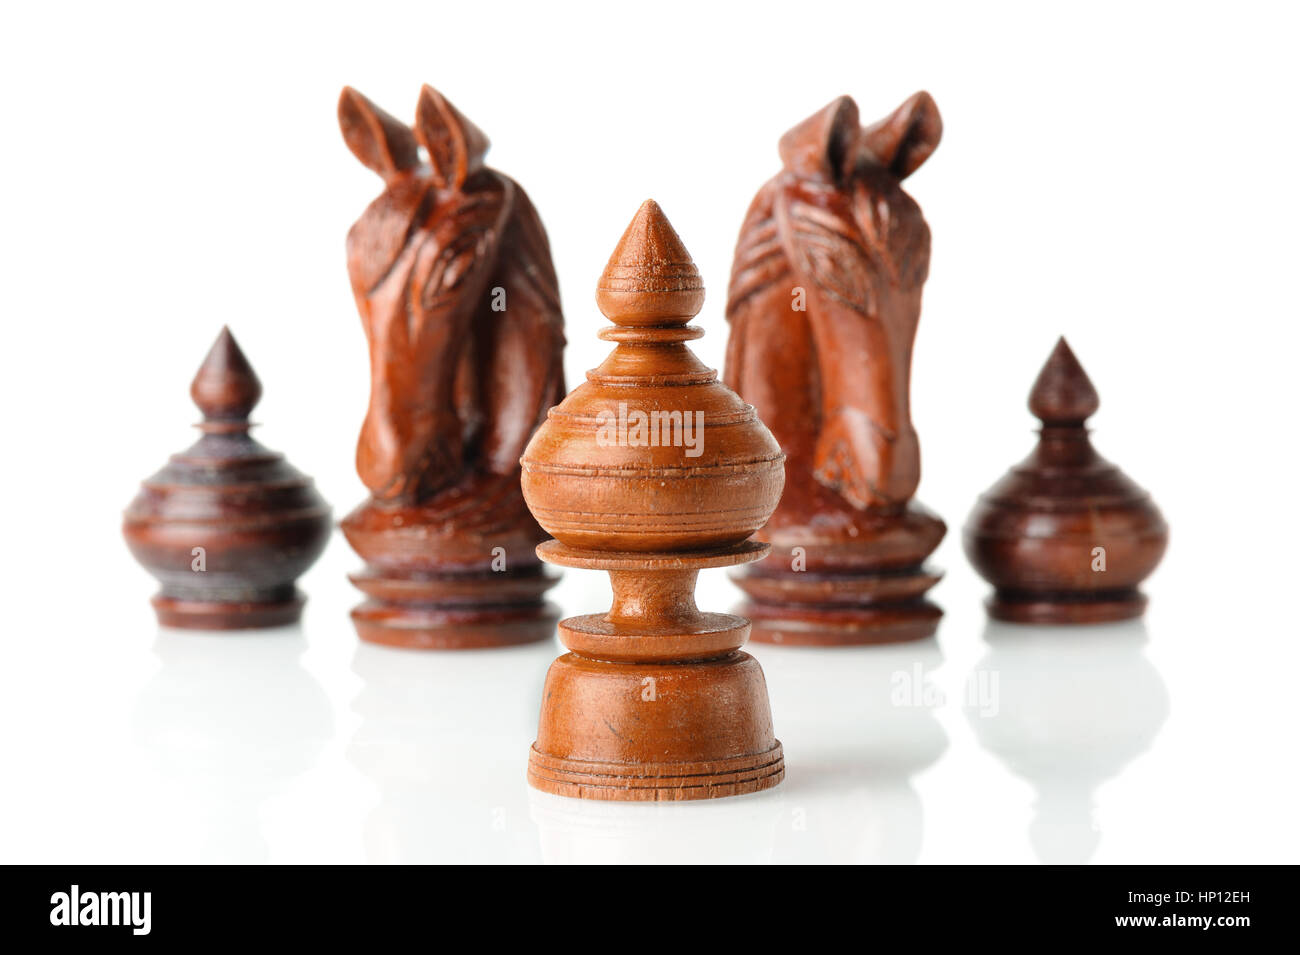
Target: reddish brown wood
[[227, 526], [824, 302], [452, 275], [656, 701], [1065, 536]]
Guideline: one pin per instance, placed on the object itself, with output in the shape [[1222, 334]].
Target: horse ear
[[381, 142], [455, 145], [905, 139], [820, 144]]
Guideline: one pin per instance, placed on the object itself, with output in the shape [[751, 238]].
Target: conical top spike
[[650, 279], [1063, 394], [226, 388]]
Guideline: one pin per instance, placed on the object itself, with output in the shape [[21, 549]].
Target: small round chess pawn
[[653, 470], [227, 526], [1065, 536]]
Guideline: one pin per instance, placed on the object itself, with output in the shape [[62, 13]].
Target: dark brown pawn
[[227, 526], [1065, 536]]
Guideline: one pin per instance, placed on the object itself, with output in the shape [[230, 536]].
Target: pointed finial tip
[[1063, 394], [650, 277], [226, 387]]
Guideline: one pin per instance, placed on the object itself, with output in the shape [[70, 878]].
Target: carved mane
[[835, 233], [452, 275]]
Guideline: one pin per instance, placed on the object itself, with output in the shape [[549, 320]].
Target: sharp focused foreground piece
[[227, 526], [452, 275], [1065, 536], [652, 471], [824, 302]]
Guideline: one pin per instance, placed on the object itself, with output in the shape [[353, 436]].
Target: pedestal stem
[[664, 598]]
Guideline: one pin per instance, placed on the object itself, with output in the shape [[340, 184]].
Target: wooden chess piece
[[824, 302], [652, 471], [1065, 536], [452, 275], [227, 526]]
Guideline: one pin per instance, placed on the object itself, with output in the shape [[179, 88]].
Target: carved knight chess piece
[[452, 275], [824, 302]]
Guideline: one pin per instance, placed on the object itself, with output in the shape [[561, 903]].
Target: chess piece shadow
[[432, 729], [229, 720], [865, 719], [1066, 710]]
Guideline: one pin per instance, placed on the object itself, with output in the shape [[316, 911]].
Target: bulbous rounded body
[[672, 467], [253, 540], [1053, 548]]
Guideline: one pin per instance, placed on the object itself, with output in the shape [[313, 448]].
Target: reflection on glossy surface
[[860, 726], [739, 830], [1074, 706], [231, 722], [228, 720], [445, 737]]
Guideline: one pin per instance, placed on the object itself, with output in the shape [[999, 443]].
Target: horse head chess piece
[[452, 274], [824, 302]]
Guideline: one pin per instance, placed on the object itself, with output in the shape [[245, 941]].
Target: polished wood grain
[[824, 303], [452, 275], [1065, 536], [227, 526], [655, 700]]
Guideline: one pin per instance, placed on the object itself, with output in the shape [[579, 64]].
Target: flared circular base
[[431, 629], [228, 615], [655, 782], [810, 626], [455, 611], [659, 731], [806, 609], [1106, 607]]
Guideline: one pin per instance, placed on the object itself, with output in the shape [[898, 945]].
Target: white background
[[1125, 176]]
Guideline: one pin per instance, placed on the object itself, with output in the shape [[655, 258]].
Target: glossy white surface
[[1125, 176], [1165, 741]]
